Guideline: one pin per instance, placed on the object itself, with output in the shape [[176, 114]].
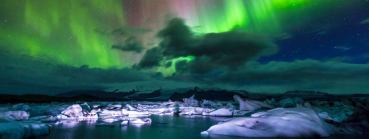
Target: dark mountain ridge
[[162, 95]]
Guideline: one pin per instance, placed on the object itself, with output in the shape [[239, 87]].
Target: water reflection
[[67, 123], [163, 127]]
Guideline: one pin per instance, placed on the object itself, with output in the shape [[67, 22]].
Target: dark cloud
[[129, 31], [151, 58], [131, 44], [229, 59], [215, 50], [127, 38], [229, 50], [177, 39]]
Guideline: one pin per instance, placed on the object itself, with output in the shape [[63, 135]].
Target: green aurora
[[77, 32]]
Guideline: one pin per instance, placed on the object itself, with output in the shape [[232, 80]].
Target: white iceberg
[[14, 115], [73, 111], [194, 110], [223, 112], [76, 112], [70, 123], [130, 113], [139, 121], [280, 122], [240, 112], [161, 111], [110, 113], [110, 120], [131, 108], [114, 107], [249, 105], [124, 123]]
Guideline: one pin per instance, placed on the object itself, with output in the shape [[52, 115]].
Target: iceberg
[[75, 111], [110, 113], [131, 108], [194, 110], [69, 123], [135, 113], [279, 122], [139, 121], [249, 105], [124, 123], [14, 115], [161, 111], [223, 112]]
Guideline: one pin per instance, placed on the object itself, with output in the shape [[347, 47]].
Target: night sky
[[273, 46]]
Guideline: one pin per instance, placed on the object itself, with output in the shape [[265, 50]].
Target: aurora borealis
[[101, 37], [82, 28], [69, 37]]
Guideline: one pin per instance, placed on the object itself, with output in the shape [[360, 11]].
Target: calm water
[[162, 127]]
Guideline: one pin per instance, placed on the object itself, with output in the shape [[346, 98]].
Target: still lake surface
[[162, 127]]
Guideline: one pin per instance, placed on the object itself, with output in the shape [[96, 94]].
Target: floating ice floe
[[136, 113], [219, 112], [279, 122], [70, 123], [124, 123], [161, 111], [140, 121], [110, 120], [14, 115], [194, 110], [75, 111], [111, 113], [130, 107], [238, 113]]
